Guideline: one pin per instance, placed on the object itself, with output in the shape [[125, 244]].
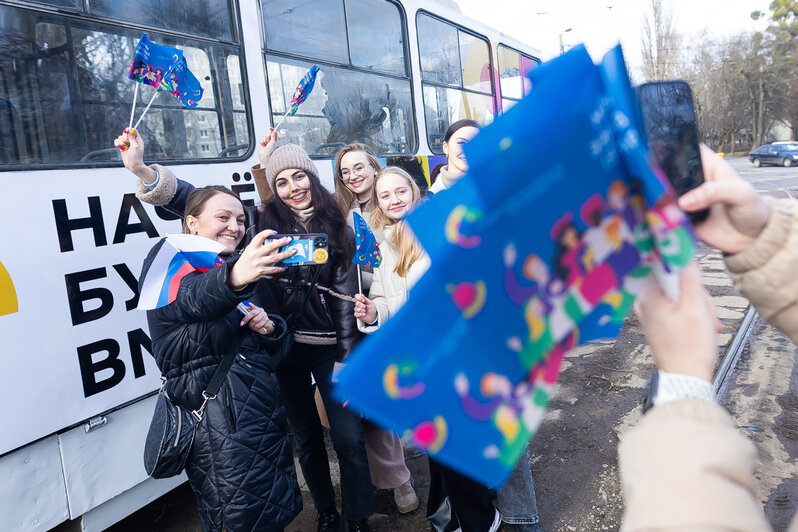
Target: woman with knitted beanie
[[325, 333]]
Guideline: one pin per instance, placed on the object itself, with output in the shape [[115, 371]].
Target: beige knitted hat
[[288, 156]]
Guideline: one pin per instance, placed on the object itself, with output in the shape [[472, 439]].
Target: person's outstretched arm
[[759, 236], [685, 466], [156, 184]]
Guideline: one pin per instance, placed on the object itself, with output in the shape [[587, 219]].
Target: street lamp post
[[562, 45]]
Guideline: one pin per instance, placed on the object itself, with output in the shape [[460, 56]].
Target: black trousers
[[346, 431], [457, 501]]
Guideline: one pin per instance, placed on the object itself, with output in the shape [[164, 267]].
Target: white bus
[[78, 379]]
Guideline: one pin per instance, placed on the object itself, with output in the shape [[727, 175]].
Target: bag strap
[[218, 378]]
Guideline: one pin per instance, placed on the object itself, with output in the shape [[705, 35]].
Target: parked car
[[784, 154]]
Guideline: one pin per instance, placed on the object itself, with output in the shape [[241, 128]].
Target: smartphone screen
[[310, 249], [669, 118]]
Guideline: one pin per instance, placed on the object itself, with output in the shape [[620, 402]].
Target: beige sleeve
[[685, 467], [163, 192], [767, 271], [259, 175]]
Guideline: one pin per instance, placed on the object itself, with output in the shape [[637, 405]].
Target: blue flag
[[367, 253], [183, 85], [151, 62], [304, 89], [541, 247]]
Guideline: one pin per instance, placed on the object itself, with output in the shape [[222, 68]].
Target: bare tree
[[661, 44]]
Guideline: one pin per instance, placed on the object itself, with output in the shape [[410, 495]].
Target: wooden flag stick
[[359, 287], [146, 109], [133, 109]]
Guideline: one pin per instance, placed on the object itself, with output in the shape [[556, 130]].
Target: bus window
[[376, 45], [362, 92], [513, 70], [239, 99], [203, 18], [62, 77], [313, 28], [455, 75], [345, 106]]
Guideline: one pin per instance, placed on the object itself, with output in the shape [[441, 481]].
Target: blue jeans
[[516, 499]]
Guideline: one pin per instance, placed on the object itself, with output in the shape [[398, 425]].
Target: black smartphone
[[310, 248], [669, 118]]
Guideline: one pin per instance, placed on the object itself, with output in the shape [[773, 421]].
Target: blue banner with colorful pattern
[[183, 85], [151, 62], [541, 247]]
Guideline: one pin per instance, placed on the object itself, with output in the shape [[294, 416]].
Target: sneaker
[[328, 522], [405, 497], [358, 526]]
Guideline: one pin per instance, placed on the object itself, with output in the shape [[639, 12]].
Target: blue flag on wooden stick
[[541, 247]]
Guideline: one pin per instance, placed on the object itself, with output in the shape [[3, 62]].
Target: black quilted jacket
[[325, 316], [241, 466]]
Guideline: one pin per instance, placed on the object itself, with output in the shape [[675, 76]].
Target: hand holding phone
[[311, 248], [669, 118]]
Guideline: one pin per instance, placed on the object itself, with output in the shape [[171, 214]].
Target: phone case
[[310, 249]]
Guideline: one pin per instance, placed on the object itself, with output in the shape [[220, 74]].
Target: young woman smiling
[[326, 332], [355, 169], [458, 134], [404, 262], [241, 465], [294, 201], [515, 500]]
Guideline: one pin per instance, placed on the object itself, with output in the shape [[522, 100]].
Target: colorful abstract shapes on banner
[[367, 253], [151, 62], [303, 89], [541, 247], [183, 85], [179, 255]]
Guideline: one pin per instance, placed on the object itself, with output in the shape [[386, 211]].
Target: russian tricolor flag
[[179, 255]]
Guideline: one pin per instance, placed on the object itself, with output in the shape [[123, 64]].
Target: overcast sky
[[601, 24]]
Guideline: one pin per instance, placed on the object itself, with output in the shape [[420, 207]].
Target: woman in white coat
[[404, 262]]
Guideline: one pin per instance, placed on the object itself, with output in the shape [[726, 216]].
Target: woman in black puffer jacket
[[295, 201], [241, 465]]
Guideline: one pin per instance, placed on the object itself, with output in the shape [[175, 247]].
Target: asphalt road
[[574, 460], [775, 179]]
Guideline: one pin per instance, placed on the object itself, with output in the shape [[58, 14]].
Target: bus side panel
[[32, 490], [119, 507], [107, 460], [75, 346]]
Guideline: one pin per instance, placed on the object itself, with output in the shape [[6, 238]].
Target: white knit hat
[[288, 156]]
